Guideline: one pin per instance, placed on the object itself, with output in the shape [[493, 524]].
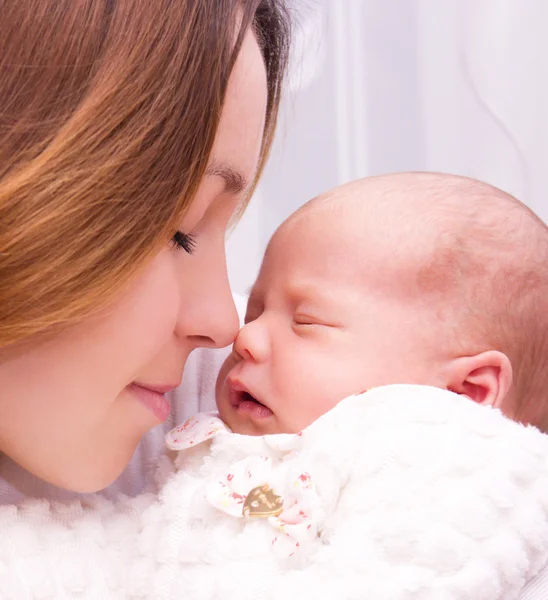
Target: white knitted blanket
[[403, 492]]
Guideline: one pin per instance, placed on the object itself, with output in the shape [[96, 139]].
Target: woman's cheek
[[156, 323], [145, 319]]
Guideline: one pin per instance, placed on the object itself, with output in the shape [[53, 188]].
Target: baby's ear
[[485, 378]]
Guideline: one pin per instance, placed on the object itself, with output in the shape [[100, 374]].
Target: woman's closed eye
[[184, 241]]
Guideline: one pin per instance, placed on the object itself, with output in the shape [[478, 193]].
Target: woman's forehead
[[240, 133]]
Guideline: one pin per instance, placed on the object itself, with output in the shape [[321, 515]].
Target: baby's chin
[[245, 425]]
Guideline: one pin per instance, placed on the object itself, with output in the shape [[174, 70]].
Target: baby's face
[[325, 319]]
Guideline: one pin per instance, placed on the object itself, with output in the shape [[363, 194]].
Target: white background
[[377, 86]]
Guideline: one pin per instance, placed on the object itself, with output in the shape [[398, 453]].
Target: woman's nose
[[207, 314], [252, 341]]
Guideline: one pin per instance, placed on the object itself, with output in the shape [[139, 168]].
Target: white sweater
[[405, 492]]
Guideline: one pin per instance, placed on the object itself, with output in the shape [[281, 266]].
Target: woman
[[132, 133]]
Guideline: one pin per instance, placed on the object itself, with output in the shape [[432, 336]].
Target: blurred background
[[377, 86]]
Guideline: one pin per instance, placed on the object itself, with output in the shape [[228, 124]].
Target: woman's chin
[[94, 474]]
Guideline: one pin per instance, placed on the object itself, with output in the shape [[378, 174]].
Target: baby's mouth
[[246, 403]]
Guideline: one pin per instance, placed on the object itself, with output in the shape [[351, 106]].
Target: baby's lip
[[237, 391]]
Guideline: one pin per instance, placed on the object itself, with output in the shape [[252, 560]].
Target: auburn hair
[[108, 112]]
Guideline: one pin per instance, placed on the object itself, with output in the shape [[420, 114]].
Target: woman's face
[[72, 410]]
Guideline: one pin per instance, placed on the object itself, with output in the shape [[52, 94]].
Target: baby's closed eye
[[304, 320]]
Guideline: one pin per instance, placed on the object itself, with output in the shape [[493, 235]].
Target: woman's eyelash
[[184, 241]]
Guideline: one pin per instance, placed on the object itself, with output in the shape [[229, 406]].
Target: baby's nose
[[252, 342]]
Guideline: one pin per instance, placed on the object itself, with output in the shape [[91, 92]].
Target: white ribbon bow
[[291, 494]]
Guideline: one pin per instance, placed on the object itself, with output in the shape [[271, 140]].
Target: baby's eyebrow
[[307, 291]]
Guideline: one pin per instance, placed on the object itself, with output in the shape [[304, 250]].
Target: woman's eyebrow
[[235, 182]]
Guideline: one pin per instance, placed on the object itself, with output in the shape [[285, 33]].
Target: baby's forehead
[[412, 227], [366, 227], [410, 212], [325, 248]]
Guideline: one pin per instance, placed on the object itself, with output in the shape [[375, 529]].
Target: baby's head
[[413, 278]]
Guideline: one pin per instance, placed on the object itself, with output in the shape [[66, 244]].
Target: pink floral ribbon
[[296, 525], [194, 431]]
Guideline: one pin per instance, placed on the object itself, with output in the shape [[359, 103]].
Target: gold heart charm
[[262, 502]]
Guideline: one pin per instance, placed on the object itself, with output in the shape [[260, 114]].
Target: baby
[[431, 292], [360, 449], [413, 278]]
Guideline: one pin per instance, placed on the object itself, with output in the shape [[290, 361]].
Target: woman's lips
[[153, 398], [244, 402]]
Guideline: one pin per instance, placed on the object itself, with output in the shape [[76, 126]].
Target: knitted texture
[[421, 495]]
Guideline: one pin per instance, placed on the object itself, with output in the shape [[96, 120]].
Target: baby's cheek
[[231, 361], [320, 403], [302, 412]]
